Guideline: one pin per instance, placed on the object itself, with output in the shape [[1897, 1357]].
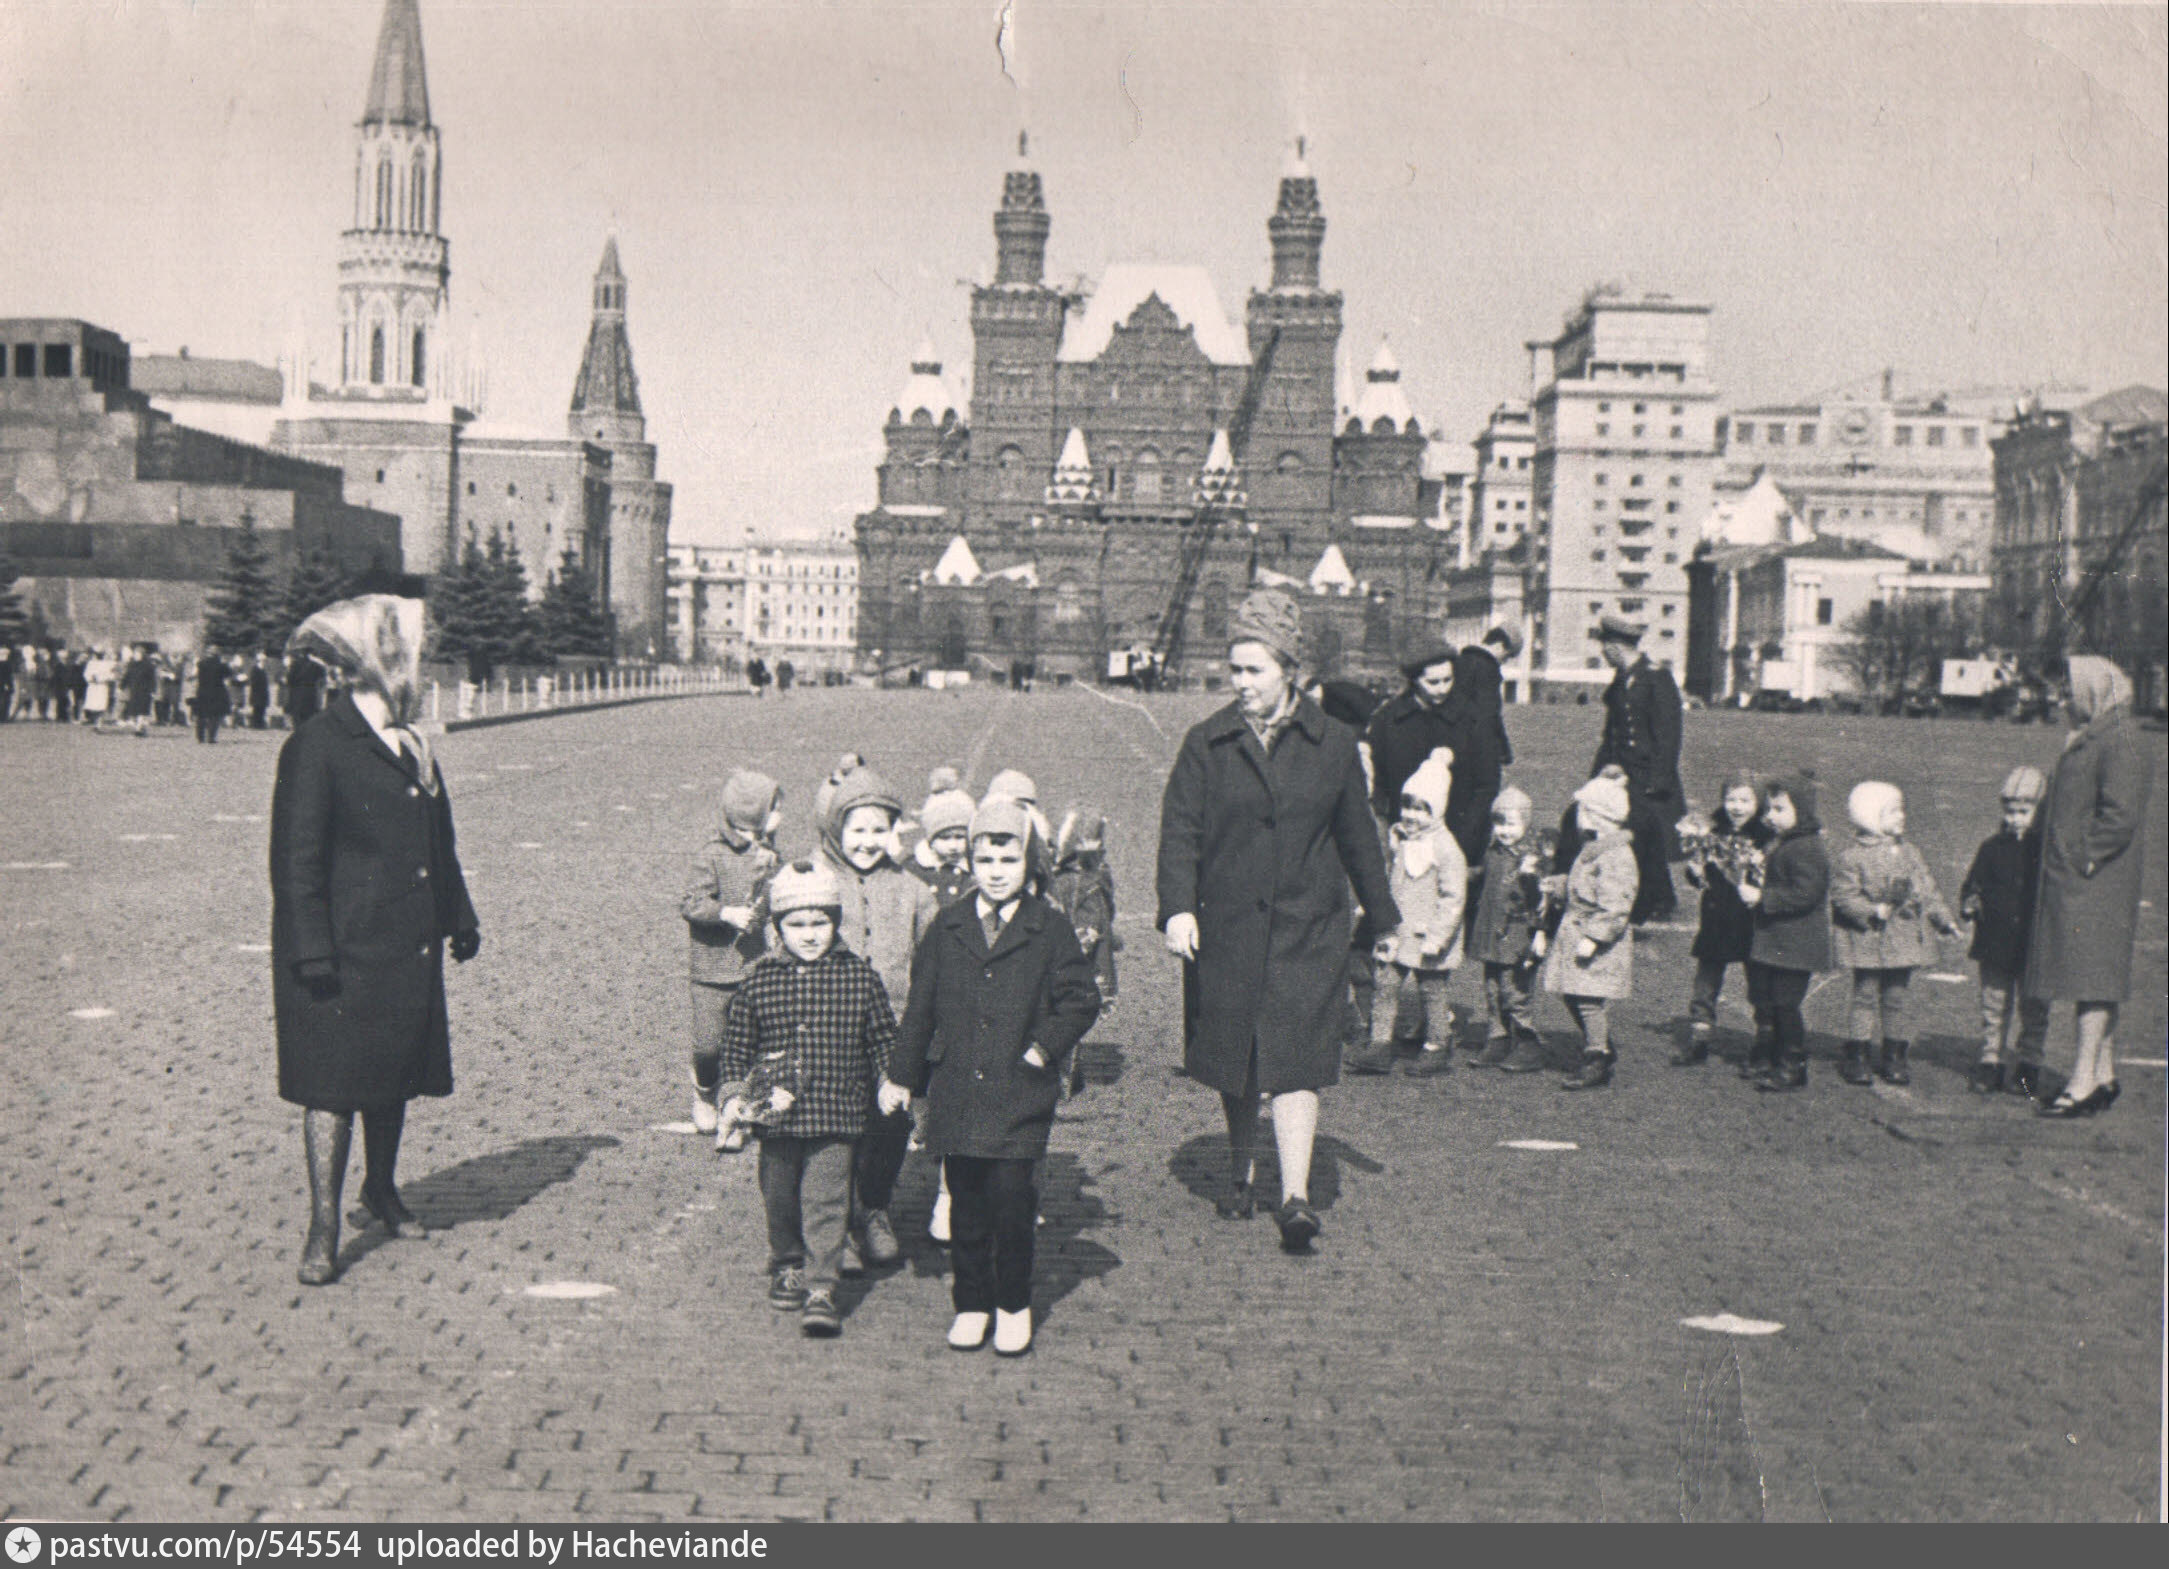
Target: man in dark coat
[[1642, 735], [259, 693], [1432, 713], [366, 894], [1479, 678]]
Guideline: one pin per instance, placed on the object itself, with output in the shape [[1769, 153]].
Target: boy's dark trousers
[[880, 1158], [806, 1189], [1776, 996], [993, 1210]]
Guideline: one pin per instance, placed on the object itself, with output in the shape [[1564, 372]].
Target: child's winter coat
[[732, 868], [1430, 880], [1879, 869], [2001, 886], [950, 883], [1792, 923], [885, 912], [832, 1020], [1083, 889], [1600, 890], [975, 1011], [1508, 904]]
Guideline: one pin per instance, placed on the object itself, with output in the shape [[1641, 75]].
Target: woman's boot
[[381, 1127], [325, 1138]]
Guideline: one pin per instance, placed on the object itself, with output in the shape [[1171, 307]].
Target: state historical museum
[[1049, 524]]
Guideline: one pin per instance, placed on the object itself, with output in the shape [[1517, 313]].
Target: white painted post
[[435, 703]]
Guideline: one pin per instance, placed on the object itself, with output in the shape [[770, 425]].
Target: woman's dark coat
[[212, 698], [975, 1011], [2091, 830], [1405, 731], [364, 875], [1727, 932], [1261, 850]]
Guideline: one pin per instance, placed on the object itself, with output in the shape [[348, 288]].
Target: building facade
[[120, 520], [1914, 475], [1500, 493], [1097, 428], [708, 604], [1623, 462], [2078, 548], [802, 604], [399, 420]]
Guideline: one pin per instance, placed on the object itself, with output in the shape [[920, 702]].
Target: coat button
[[421, 874], [413, 792]]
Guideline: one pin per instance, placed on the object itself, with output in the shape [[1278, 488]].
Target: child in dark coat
[[1083, 889], [1792, 928], [1728, 852], [726, 926], [1000, 995], [1998, 897], [1508, 905], [812, 1026]]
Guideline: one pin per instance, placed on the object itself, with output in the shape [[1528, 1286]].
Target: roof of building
[[1380, 396], [398, 86], [1331, 574], [1898, 539], [1832, 547], [957, 563], [1073, 478], [1760, 515], [1023, 572], [925, 390], [184, 376], [608, 267], [1187, 291]]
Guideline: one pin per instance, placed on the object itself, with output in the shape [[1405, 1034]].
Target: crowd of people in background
[[141, 688]]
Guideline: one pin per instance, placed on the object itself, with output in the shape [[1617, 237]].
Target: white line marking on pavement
[[1538, 1144], [1129, 702], [252, 947], [527, 844], [2086, 1201], [515, 768], [90, 1013], [2145, 1062], [37, 866], [145, 838], [620, 808], [1731, 1324], [569, 1290], [1667, 926], [236, 817]]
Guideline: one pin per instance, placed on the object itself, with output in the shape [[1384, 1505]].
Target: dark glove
[[320, 976], [465, 945]]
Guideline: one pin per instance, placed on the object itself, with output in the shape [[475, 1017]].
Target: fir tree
[[316, 581], [571, 623], [14, 620], [481, 610], [520, 634], [243, 610]]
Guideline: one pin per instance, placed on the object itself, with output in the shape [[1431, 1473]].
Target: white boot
[[1012, 1333], [703, 1111], [937, 1224], [969, 1332]]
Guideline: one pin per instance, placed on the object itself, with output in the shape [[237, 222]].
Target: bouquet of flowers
[[1712, 856], [1904, 904], [763, 1101]]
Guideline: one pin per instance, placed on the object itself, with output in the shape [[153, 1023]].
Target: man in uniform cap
[[1642, 735]]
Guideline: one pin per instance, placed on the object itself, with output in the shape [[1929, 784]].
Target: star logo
[[24, 1544]]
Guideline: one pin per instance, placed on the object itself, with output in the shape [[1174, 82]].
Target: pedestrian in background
[[213, 701], [366, 894], [259, 693], [1998, 898], [2087, 913], [1642, 721]]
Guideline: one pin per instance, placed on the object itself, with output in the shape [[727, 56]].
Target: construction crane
[[1199, 528]]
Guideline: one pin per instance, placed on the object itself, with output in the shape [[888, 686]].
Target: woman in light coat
[[2087, 910], [1591, 958]]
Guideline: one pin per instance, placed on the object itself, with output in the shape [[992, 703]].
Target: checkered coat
[[833, 1017]]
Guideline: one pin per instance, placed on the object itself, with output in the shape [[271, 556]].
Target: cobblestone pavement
[[1970, 1298]]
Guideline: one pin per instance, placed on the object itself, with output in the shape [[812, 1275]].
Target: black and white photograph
[[1079, 761]]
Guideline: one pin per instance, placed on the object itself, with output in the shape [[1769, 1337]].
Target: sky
[[1971, 195]]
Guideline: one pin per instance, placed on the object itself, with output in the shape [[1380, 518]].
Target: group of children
[[1556, 912], [955, 971]]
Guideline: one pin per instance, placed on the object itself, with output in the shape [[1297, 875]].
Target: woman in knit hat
[[1263, 827], [1591, 958], [2088, 912]]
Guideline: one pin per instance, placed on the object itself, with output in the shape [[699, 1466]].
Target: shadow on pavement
[[1201, 1165], [492, 1187]]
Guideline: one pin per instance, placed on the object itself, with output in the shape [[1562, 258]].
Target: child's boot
[[1695, 1050], [1853, 1067], [1433, 1059], [2026, 1080], [704, 1112], [1595, 1074], [1761, 1056], [1373, 1057], [819, 1319], [1527, 1055], [1986, 1078], [1496, 1050], [1787, 1073], [1892, 1067]]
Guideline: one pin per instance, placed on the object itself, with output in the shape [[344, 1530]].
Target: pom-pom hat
[[1433, 780], [1602, 801], [803, 885], [1871, 803], [947, 805]]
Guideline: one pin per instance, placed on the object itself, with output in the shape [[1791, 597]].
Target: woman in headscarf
[[1263, 828], [2087, 910], [366, 894]]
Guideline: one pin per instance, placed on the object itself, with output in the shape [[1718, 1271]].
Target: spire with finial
[[398, 86], [606, 398], [1020, 227], [1297, 226], [394, 266], [1074, 483]]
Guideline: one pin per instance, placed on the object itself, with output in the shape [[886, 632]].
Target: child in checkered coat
[[812, 1023]]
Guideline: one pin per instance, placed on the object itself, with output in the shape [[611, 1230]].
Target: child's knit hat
[[1012, 785], [1602, 803], [1871, 803], [947, 804], [1433, 780], [826, 791], [1002, 816], [1513, 799], [748, 799], [1083, 828], [2024, 783], [803, 885]]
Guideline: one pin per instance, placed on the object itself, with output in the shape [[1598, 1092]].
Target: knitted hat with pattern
[[803, 885], [947, 805]]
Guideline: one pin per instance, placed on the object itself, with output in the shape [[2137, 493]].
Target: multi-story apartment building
[[1499, 495], [802, 604], [1622, 468], [707, 596]]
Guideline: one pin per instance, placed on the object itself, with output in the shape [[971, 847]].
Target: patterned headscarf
[[2097, 686], [377, 640]]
